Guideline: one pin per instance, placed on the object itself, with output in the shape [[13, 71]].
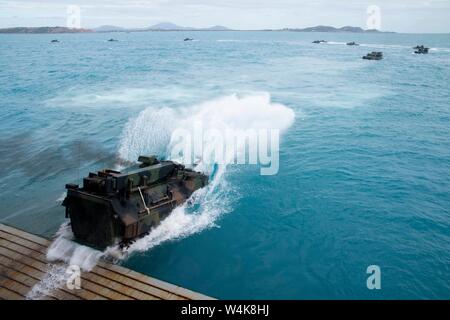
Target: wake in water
[[150, 133]]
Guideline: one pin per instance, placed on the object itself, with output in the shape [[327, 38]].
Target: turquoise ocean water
[[364, 166]]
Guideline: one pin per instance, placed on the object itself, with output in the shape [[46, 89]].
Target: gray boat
[[421, 50], [373, 56]]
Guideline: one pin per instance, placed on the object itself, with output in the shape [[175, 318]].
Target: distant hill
[[163, 26], [218, 28], [333, 29], [108, 28], [168, 26], [43, 30]]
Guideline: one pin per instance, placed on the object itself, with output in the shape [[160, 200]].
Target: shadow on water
[[22, 154]]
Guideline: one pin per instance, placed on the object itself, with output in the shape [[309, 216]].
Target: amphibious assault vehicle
[[113, 207], [374, 56], [421, 50]]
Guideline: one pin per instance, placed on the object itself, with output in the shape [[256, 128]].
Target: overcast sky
[[396, 15]]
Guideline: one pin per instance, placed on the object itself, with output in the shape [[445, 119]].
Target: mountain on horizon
[[349, 29], [38, 30], [168, 26], [165, 26], [162, 26], [108, 28]]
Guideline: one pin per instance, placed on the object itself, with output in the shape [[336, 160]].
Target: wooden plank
[[7, 294], [106, 280], [186, 293], [79, 293], [96, 277], [18, 276], [7, 264], [146, 291], [19, 288], [84, 293], [20, 283], [35, 275], [156, 293], [166, 290], [36, 259], [25, 235]]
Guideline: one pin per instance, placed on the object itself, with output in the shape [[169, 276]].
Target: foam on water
[[54, 278], [384, 46], [336, 42], [64, 249], [440, 49], [69, 252], [115, 97]]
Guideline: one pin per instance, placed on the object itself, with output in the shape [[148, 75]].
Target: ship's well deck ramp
[[23, 264]]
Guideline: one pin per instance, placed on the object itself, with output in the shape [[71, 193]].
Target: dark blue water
[[364, 173]]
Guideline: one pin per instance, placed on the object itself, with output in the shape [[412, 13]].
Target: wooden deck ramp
[[23, 264]]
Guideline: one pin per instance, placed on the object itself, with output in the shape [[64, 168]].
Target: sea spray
[[232, 112], [55, 277], [151, 131], [64, 253]]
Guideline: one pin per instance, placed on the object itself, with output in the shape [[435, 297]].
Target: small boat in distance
[[352, 43], [373, 56], [112, 40], [421, 50], [54, 41], [188, 39], [319, 41]]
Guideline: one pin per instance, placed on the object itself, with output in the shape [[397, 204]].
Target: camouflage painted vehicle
[[373, 56], [114, 207], [421, 50]]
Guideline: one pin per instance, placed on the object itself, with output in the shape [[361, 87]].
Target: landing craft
[[113, 207], [373, 56], [421, 50]]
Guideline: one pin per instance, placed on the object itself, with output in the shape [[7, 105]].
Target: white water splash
[[72, 253], [63, 249], [336, 42], [61, 197], [54, 278], [440, 49], [150, 133]]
